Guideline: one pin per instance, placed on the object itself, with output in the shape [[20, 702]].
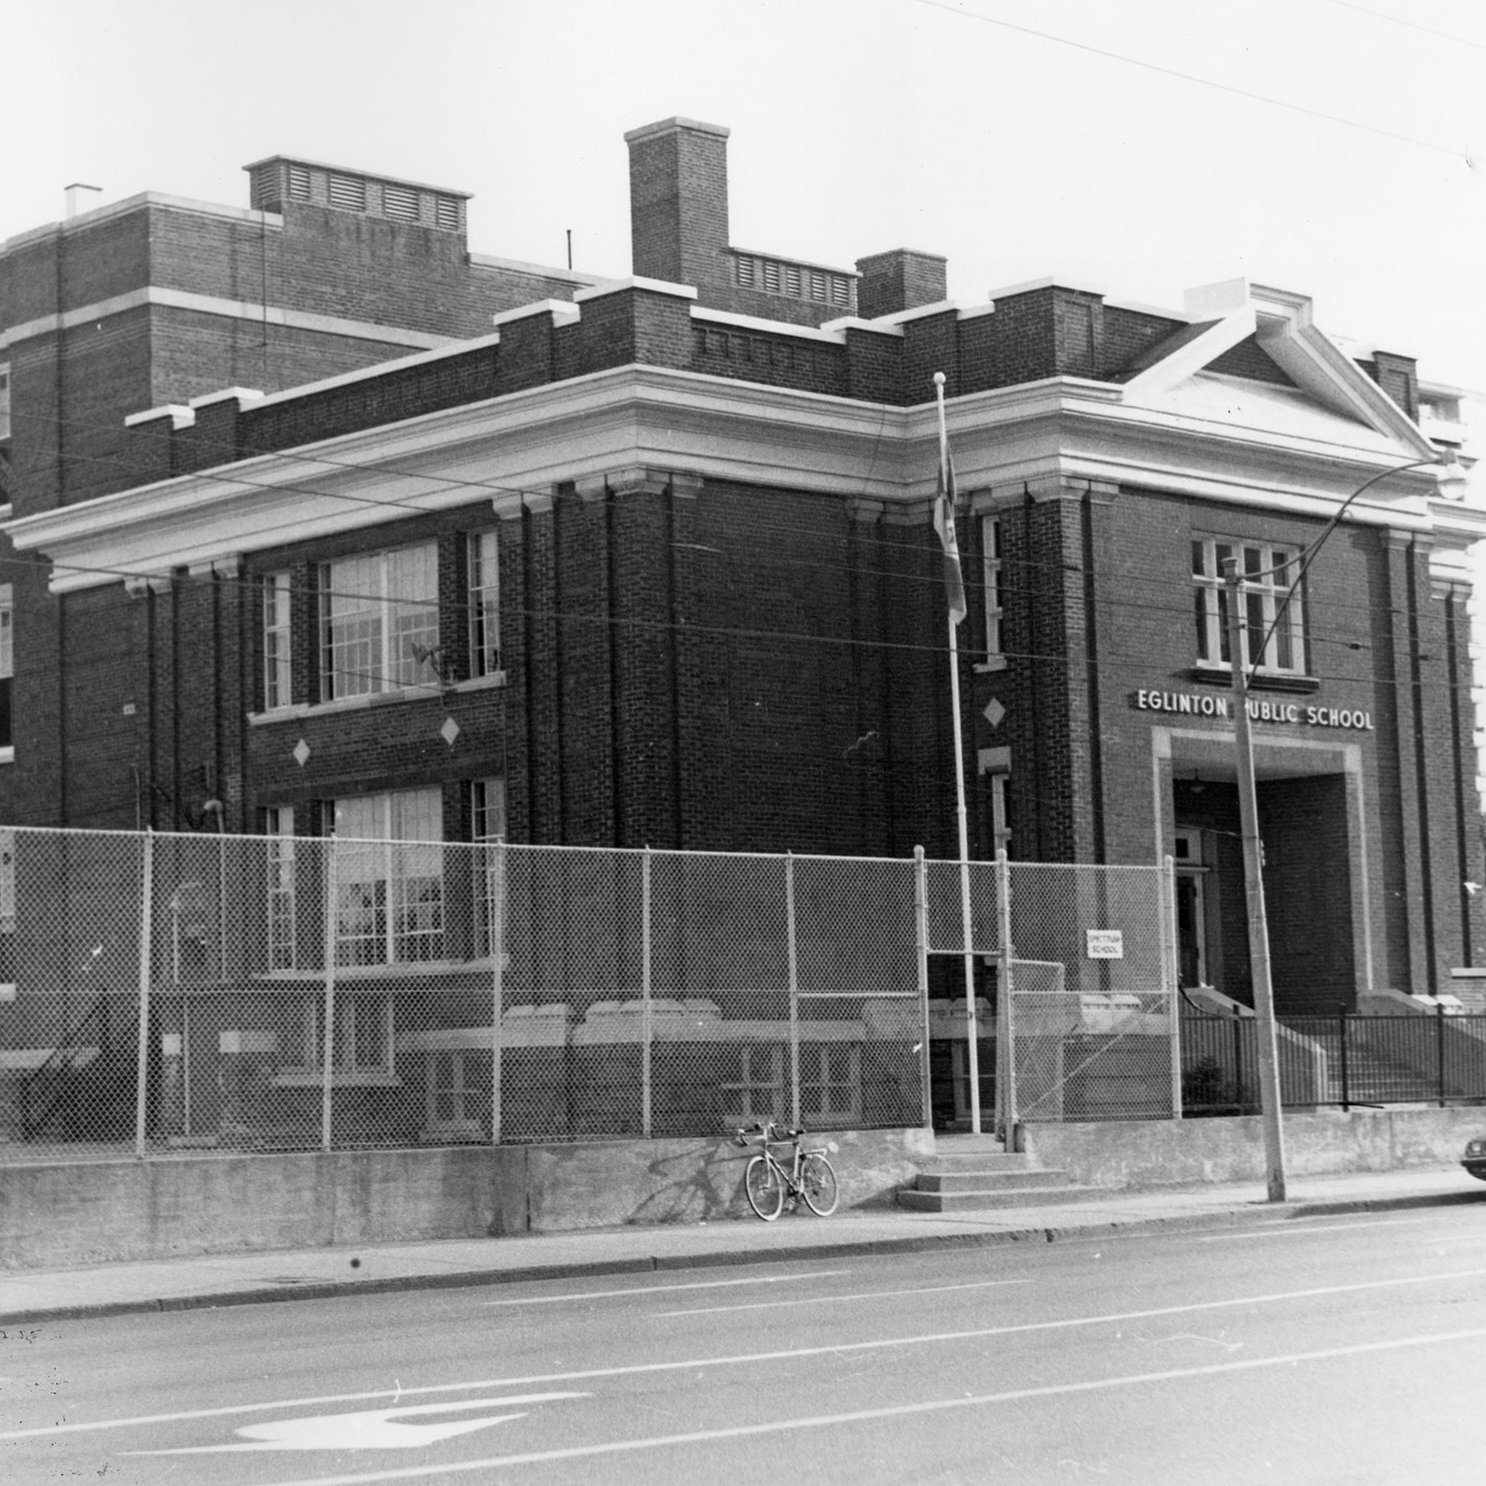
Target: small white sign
[[1106, 944]]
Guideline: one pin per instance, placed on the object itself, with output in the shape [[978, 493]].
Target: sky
[[1139, 147]]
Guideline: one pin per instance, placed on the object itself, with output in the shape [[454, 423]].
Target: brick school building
[[322, 522]]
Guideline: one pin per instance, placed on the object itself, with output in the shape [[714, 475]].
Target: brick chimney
[[1398, 376], [678, 188], [899, 280]]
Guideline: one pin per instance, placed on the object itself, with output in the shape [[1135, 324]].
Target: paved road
[[1339, 1350]]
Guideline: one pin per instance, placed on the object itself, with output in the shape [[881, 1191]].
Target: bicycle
[[768, 1180]]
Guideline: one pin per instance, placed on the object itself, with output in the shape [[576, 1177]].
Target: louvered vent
[[446, 213], [400, 202], [348, 193], [775, 277], [299, 183]]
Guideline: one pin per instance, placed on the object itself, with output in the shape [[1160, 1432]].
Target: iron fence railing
[[1348, 1060]]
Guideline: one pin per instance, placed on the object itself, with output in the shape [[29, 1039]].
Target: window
[[7, 666], [379, 622], [4, 400], [389, 905], [757, 1093], [277, 676], [830, 1083], [990, 546], [1269, 574], [995, 821], [362, 1047], [484, 602], [278, 825], [1000, 814], [487, 825]]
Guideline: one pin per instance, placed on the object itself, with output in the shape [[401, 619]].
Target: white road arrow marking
[[370, 1429]]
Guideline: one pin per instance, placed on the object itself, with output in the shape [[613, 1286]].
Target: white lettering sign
[[1199, 704]]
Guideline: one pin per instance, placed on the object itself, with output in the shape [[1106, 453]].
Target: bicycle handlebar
[[769, 1132]]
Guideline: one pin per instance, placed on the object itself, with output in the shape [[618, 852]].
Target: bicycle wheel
[[818, 1184], [765, 1188]]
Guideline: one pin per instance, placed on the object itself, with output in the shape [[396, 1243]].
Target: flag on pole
[[944, 525]]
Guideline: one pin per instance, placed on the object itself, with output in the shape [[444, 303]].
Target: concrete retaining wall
[[1187, 1152], [87, 1212]]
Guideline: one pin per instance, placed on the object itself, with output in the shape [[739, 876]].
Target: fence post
[[1005, 1022], [1169, 976], [921, 935], [1241, 1105], [647, 1017], [497, 980], [146, 953], [1342, 1046], [327, 1042], [794, 989], [1439, 1048]]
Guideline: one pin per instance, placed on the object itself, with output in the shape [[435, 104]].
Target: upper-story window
[[990, 547], [484, 603], [1272, 631], [4, 400], [277, 675], [379, 622]]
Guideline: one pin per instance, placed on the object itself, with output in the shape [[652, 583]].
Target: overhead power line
[[1205, 82]]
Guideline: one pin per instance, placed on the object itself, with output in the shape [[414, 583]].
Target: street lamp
[[1452, 484]]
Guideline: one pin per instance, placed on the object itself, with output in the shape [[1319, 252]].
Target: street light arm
[[1309, 555]]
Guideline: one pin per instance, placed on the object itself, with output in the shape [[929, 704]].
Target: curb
[[656, 1264]]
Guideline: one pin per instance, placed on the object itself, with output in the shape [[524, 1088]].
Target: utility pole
[[1253, 870]]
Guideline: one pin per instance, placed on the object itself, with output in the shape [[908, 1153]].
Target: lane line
[[892, 1411], [1282, 1231], [794, 1300], [786, 1354], [771, 1279]]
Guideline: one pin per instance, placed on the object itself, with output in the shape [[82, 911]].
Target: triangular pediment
[[1254, 358]]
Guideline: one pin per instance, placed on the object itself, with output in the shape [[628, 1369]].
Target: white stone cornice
[[512, 450], [639, 480]]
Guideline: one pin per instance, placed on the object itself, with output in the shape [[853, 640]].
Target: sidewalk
[[245, 1278]]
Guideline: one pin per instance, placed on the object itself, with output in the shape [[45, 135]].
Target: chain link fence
[[1092, 1015], [282, 992]]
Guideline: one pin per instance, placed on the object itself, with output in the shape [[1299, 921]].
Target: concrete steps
[[1372, 1076], [971, 1172]]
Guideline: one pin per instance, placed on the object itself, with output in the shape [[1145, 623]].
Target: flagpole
[[972, 1029]]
